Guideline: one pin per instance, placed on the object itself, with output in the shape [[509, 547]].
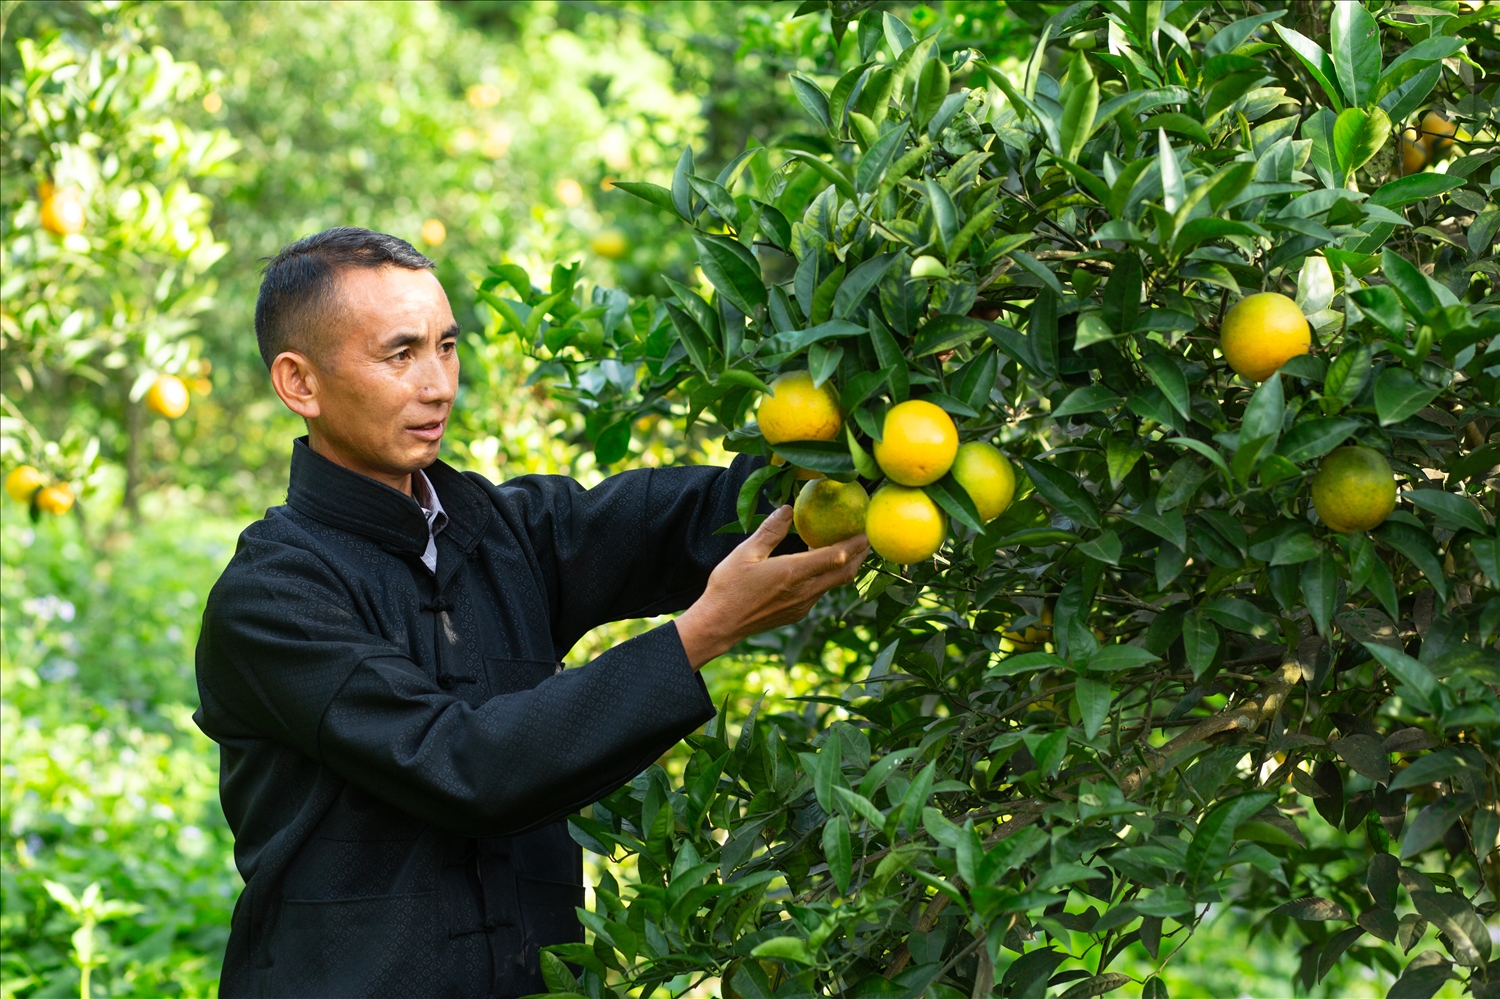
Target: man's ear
[[296, 379]]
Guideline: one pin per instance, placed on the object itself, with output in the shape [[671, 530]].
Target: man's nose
[[439, 383]]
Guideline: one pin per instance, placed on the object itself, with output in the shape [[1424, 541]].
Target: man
[[379, 663]]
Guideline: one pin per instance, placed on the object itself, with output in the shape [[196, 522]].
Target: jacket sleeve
[[640, 543], [284, 652]]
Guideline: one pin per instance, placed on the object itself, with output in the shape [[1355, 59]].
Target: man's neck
[[400, 483]]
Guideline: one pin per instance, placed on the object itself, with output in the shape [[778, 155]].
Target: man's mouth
[[429, 431]]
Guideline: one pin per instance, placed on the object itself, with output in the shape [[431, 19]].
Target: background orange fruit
[[1261, 333], [919, 443]]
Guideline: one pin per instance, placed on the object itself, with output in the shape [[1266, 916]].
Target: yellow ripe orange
[[168, 397], [609, 243], [1414, 152], [1036, 635], [1438, 132], [919, 443], [796, 411], [23, 482], [55, 499], [1261, 333], [904, 524], [434, 232], [986, 476], [62, 210], [1354, 490], [827, 512]]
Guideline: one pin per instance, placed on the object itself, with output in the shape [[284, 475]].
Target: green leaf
[[1117, 657], [1355, 39], [1418, 187], [1399, 395], [812, 98], [877, 159], [1200, 641], [945, 332], [749, 498], [1209, 849], [1416, 289], [1062, 491], [1316, 437], [1417, 677], [1168, 377], [1239, 615], [944, 214], [829, 457], [1039, 270], [682, 191], [784, 949], [720, 200], [1264, 411], [796, 341], [1236, 33], [1105, 548], [1180, 124], [932, 88], [1088, 399], [653, 194], [613, 443], [1468, 939], [864, 464], [1430, 769], [1347, 375], [733, 270], [1320, 583], [1312, 909], [955, 502], [1204, 449], [1080, 105], [1318, 63], [829, 173], [1453, 512], [1174, 190], [838, 852], [860, 282], [1358, 135], [692, 337]]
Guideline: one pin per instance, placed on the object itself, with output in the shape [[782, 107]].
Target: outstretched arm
[[751, 591]]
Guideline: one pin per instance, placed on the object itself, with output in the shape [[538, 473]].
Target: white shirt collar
[[432, 508]]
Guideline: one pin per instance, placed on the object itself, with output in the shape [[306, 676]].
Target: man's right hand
[[750, 591]]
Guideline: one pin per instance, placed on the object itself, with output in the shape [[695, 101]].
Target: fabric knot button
[[447, 680], [438, 606], [490, 922]]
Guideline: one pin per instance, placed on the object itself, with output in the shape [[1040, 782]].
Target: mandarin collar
[[334, 495]]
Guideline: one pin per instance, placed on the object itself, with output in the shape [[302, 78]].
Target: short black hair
[[299, 286]]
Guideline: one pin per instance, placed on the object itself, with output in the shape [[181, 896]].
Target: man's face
[[387, 374]]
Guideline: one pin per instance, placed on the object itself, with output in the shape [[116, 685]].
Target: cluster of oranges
[[26, 484], [1354, 489], [1424, 146], [918, 446]]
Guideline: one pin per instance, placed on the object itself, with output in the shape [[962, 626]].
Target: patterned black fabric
[[400, 749]]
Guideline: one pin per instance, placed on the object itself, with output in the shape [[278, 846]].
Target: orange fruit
[[168, 397], [1354, 490], [1261, 333], [609, 243], [1414, 152], [434, 232], [62, 210], [55, 499], [918, 445], [796, 411], [1036, 635], [23, 482], [1438, 131], [904, 524], [986, 476], [827, 512]]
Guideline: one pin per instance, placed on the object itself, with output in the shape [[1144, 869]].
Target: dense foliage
[[1234, 705]]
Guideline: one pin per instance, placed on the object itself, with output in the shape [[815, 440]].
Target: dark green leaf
[[1454, 512], [1365, 756], [1094, 698], [1316, 437], [1406, 669], [1414, 287], [682, 191], [860, 282], [829, 457], [1431, 823], [945, 332], [1317, 62], [838, 852], [613, 443], [1239, 615], [955, 502], [720, 200], [1399, 395], [1312, 909], [733, 270], [1200, 640], [1062, 490], [1209, 849], [877, 159], [1169, 378], [1359, 134], [749, 498], [1320, 583], [1355, 39], [812, 98]]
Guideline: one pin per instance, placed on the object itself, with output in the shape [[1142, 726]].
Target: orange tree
[[1160, 681]]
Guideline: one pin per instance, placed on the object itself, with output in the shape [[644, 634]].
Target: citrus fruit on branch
[[918, 444], [168, 397], [56, 499], [62, 210], [904, 525], [827, 512], [986, 476], [23, 482], [1261, 333], [1354, 490]]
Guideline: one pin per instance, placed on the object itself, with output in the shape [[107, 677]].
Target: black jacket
[[399, 750]]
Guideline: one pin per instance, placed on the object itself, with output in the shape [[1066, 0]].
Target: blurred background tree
[[153, 155]]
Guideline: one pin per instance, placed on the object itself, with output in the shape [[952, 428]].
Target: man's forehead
[[381, 296]]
